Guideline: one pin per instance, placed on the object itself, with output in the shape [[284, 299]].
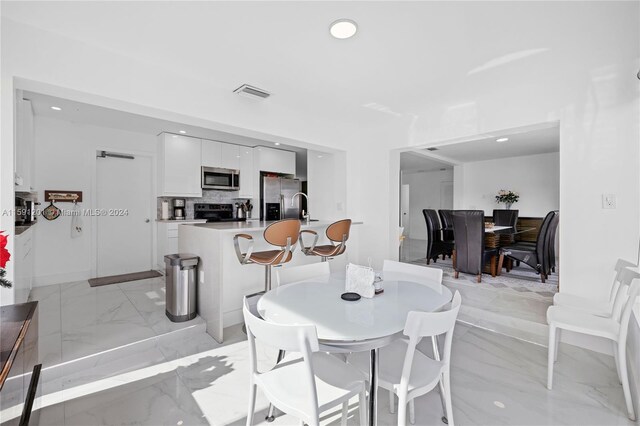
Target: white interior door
[[124, 236], [404, 207], [446, 195]]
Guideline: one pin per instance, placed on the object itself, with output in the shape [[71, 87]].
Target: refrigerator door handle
[[281, 206]]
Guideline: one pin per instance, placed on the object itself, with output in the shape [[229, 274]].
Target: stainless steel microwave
[[224, 179]]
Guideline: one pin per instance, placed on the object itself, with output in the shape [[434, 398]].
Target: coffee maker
[[179, 205]]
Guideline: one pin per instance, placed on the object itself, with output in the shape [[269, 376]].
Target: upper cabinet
[[179, 165], [248, 173], [220, 154], [211, 153], [275, 160], [24, 147]]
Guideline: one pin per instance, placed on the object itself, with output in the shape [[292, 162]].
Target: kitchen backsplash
[[208, 196]]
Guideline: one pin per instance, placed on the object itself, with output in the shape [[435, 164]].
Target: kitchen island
[[223, 281]]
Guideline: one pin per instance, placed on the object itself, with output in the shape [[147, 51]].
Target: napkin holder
[[360, 280]]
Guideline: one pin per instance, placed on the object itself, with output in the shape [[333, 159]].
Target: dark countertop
[[15, 320], [23, 228]]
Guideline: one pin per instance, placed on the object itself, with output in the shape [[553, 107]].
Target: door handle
[[146, 221]]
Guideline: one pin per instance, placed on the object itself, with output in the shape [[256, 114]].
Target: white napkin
[[360, 280]]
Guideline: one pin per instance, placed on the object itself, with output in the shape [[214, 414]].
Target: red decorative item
[[5, 256]]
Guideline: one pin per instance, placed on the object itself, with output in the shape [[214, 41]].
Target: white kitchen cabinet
[[230, 156], [24, 147], [179, 166], [24, 265], [275, 160], [211, 153], [168, 238], [248, 173]]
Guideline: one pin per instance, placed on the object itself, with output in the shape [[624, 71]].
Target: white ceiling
[[405, 56], [520, 143], [414, 162], [77, 112]]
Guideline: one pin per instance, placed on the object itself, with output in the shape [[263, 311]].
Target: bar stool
[[283, 234], [337, 232]]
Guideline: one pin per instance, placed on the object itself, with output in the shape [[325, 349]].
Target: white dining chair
[[592, 306], [421, 274], [307, 382], [614, 328], [409, 373], [288, 275]]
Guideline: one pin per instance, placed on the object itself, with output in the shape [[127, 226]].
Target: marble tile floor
[[496, 380], [496, 308]]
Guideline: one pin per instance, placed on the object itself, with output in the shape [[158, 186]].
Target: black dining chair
[[446, 218], [536, 255], [470, 254], [435, 245]]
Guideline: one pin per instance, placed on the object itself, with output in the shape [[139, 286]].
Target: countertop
[[15, 322], [181, 221], [257, 225]]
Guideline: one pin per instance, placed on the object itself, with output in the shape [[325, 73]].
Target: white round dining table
[[345, 326]]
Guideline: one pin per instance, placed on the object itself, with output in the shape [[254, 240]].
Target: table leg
[[436, 355], [373, 388]]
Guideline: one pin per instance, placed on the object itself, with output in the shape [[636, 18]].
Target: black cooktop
[[215, 212]]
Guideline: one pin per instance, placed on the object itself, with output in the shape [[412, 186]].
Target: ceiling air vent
[[252, 92], [433, 148]]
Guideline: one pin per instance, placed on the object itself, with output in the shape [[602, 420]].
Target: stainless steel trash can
[[181, 273]]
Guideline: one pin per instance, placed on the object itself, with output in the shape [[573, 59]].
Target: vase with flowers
[[507, 197], [5, 256]]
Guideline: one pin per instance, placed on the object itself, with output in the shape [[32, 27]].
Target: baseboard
[[44, 280], [232, 318]]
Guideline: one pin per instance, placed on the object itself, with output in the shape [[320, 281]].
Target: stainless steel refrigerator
[[275, 198]]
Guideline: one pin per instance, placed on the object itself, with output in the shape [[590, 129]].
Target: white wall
[[65, 160], [424, 193], [535, 177]]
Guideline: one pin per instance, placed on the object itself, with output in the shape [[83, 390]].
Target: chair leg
[[392, 402], [479, 278], [622, 356], [252, 404], [362, 407], [345, 413], [617, 360], [552, 343], [555, 352], [447, 397], [493, 266], [412, 412], [543, 277], [428, 261], [456, 274], [500, 261], [402, 410], [454, 259]]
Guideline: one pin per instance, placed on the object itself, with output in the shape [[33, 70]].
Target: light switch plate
[[608, 201]]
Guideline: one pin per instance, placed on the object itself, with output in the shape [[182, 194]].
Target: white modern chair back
[[291, 338], [631, 279], [422, 274], [288, 275], [622, 280], [428, 324]]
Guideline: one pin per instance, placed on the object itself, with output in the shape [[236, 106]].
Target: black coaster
[[350, 297]]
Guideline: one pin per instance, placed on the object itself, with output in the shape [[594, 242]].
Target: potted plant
[[5, 256], [507, 197]]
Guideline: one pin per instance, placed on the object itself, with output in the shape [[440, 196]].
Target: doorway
[[124, 227]]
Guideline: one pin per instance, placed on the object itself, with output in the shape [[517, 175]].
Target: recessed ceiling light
[[319, 156], [277, 143], [343, 28], [183, 132], [502, 139], [55, 108]]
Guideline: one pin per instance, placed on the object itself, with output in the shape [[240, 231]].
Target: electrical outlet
[[608, 201]]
